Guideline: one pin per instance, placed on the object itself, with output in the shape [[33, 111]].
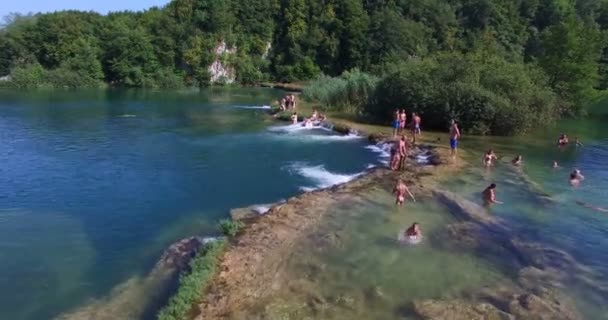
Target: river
[[94, 185]]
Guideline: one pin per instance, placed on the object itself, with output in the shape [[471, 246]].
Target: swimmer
[[489, 158], [518, 160], [563, 140], [555, 165], [294, 118], [576, 178], [454, 136], [400, 191], [414, 232], [489, 195], [578, 143]]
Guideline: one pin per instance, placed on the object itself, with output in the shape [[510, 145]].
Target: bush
[[27, 76], [349, 92], [486, 94], [193, 283], [229, 227]]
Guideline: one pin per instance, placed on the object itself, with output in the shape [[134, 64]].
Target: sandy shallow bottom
[[353, 267]]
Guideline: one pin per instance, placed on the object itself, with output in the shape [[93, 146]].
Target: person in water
[[401, 190], [555, 165], [454, 136], [415, 125], [578, 143], [414, 232], [518, 160], [489, 195], [489, 157], [396, 123], [576, 178], [294, 118], [563, 140]]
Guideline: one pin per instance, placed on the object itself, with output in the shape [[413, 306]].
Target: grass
[[229, 227], [193, 283]]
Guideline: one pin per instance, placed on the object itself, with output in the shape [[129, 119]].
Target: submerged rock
[[458, 310], [178, 255]]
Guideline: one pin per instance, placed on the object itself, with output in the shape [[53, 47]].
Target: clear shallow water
[[94, 185]]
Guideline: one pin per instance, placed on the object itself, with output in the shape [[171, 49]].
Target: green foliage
[[28, 76], [229, 227], [349, 92], [193, 283], [280, 40], [486, 94]]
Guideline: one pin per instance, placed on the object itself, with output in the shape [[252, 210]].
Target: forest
[[550, 56]]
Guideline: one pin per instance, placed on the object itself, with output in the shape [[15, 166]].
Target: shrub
[[486, 94], [349, 92], [229, 227], [193, 283]]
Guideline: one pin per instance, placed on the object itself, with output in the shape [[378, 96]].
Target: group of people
[[288, 102], [400, 124], [314, 119], [489, 194], [399, 152]]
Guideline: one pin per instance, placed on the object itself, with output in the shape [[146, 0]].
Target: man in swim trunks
[[402, 121], [395, 123], [454, 136], [415, 125], [400, 191], [489, 195]]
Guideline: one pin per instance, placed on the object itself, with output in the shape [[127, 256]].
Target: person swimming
[[489, 195], [578, 143], [414, 233], [555, 165], [576, 178], [518, 160], [563, 140], [489, 158], [400, 192]]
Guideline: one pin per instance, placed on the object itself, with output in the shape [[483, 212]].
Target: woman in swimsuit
[[414, 232], [518, 160], [400, 191], [489, 195], [489, 157]]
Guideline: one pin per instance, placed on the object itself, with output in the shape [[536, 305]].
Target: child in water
[[518, 160], [489, 158], [413, 234], [489, 195], [400, 191]]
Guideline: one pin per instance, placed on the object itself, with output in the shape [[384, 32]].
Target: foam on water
[[320, 177], [254, 107], [309, 134]]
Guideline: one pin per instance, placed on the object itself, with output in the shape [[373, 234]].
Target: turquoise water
[[94, 185], [561, 223]]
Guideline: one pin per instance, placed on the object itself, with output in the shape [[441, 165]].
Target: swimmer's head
[[573, 176], [492, 186]]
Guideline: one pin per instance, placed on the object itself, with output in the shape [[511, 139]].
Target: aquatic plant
[[229, 227], [193, 283]]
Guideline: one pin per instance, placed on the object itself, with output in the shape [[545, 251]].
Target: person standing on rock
[[400, 192], [489, 195], [402, 151], [454, 136], [395, 156], [395, 123], [415, 125]]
